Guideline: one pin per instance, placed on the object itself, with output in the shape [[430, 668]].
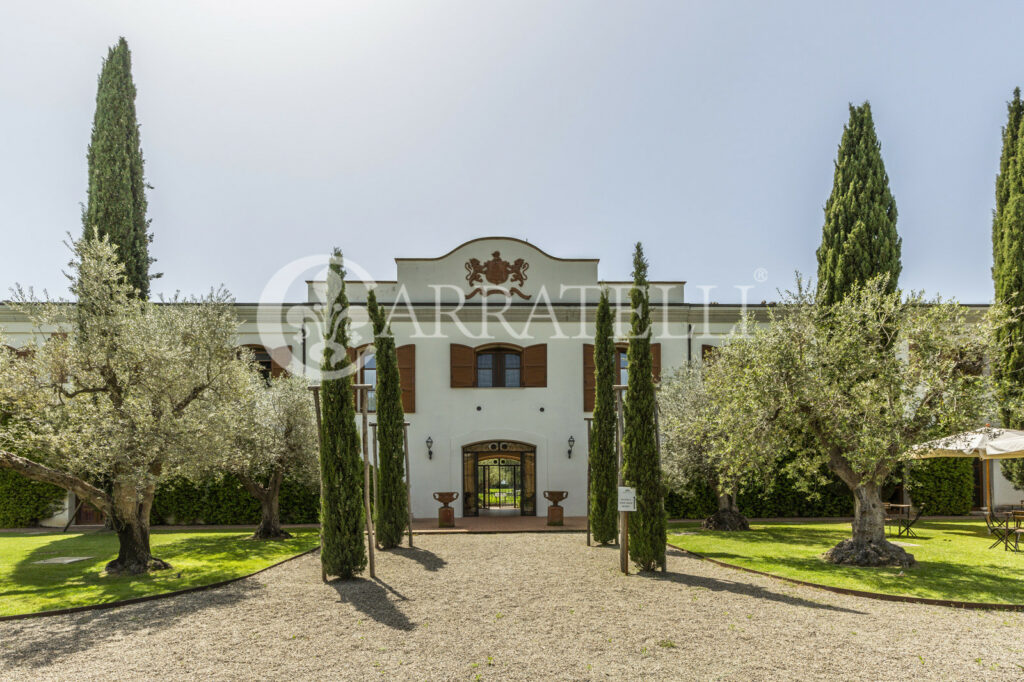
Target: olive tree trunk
[[129, 516], [127, 510], [270, 506], [868, 546], [728, 516]]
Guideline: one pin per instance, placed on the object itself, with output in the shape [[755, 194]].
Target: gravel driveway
[[526, 606]]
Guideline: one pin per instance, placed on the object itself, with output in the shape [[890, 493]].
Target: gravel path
[[515, 607]]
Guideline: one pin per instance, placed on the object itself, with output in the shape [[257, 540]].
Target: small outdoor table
[[1014, 519], [895, 515]]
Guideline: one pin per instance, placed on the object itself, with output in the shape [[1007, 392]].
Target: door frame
[[527, 454]]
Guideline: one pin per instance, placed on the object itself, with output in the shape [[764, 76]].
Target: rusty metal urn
[[555, 512], [446, 515]]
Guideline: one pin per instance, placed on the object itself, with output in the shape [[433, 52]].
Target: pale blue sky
[[705, 129]]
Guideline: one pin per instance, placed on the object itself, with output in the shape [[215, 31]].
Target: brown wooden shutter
[[589, 378], [279, 359], [407, 376], [656, 361], [463, 366], [535, 366], [352, 354]]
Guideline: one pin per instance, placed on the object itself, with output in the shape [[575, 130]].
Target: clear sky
[[708, 130]]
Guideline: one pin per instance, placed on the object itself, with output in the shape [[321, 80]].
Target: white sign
[[627, 499]]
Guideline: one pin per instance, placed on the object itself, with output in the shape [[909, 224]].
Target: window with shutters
[[271, 362], [499, 368], [368, 375], [622, 361]]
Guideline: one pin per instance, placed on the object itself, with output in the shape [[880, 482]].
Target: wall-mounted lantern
[[430, 448], [572, 443]]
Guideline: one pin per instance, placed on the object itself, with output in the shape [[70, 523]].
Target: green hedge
[[24, 502], [224, 501], [945, 486], [696, 500], [779, 498]]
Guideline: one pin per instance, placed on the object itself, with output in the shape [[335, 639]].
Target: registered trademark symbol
[[760, 275]]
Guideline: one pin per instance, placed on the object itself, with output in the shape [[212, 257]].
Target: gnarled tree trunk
[[130, 518], [868, 546], [270, 507], [728, 516]]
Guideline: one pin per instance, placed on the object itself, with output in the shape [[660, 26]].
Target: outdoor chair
[[999, 529], [906, 524]]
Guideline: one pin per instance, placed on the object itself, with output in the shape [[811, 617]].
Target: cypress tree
[[393, 514], [641, 464], [603, 460], [859, 239], [116, 206], [341, 471], [1011, 132], [1008, 276]]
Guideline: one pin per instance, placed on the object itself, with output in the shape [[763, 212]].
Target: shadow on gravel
[[745, 589], [370, 598], [423, 557], [716, 585], [37, 642]]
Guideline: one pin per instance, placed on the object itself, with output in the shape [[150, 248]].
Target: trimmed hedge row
[[945, 486], [24, 502], [779, 498], [223, 500]]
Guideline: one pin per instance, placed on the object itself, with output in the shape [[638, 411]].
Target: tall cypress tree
[[116, 205], [341, 471], [1008, 277], [392, 516], [641, 463], [859, 239], [1011, 132], [603, 460]]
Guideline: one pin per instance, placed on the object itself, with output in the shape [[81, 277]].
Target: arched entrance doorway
[[499, 476]]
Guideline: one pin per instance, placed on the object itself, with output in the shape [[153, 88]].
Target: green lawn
[[197, 557], [954, 561]]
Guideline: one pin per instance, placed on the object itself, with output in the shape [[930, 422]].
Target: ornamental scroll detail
[[497, 271]]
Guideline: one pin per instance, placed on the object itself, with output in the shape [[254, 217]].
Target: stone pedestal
[[556, 514], [446, 515]]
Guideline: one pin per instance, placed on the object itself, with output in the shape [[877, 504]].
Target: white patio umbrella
[[985, 444]]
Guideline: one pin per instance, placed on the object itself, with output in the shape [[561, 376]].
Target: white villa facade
[[494, 344]]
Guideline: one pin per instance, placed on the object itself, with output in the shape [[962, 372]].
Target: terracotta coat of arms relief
[[497, 271]]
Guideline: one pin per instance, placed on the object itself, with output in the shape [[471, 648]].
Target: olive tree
[[272, 434], [853, 387], [693, 428], [117, 392]]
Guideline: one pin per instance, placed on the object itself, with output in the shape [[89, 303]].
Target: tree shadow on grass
[[370, 597], [38, 642], [424, 557], [927, 579], [219, 551]]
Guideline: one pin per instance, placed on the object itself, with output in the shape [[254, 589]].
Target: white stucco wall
[[545, 417]]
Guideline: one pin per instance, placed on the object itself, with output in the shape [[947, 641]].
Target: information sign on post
[[627, 499]]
